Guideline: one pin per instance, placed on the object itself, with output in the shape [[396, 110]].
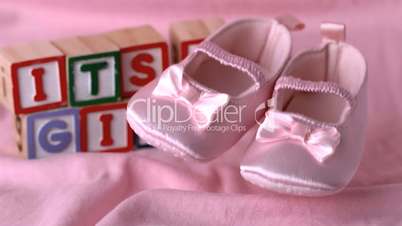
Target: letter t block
[[93, 65]]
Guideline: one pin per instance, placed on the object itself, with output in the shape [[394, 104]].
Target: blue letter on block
[[61, 139], [53, 132]]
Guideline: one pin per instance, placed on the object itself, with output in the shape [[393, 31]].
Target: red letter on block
[[104, 128], [137, 65], [38, 74], [106, 120]]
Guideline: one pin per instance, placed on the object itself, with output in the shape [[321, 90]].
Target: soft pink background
[[150, 188]]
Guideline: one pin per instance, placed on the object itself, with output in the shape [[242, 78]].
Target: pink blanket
[[151, 188]]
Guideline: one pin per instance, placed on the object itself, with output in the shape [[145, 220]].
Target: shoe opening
[[337, 63], [265, 42]]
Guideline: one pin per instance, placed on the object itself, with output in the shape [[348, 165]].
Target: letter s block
[[185, 35], [144, 55], [93, 65], [33, 77], [104, 129], [52, 132]]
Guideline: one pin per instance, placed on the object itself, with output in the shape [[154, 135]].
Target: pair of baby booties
[[309, 111]]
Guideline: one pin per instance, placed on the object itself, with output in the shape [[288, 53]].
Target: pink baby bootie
[[312, 138], [201, 106]]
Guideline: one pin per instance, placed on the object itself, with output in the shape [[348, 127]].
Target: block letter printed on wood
[[93, 65], [104, 129], [50, 132], [33, 77], [185, 35], [144, 55]]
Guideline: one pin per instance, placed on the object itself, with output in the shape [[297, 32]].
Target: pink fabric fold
[[257, 210], [117, 189]]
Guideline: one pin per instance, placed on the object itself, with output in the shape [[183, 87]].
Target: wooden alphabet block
[[139, 143], [49, 132], [32, 77], [104, 129], [144, 55], [93, 65], [185, 35]]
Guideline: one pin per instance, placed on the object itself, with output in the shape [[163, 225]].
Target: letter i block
[[185, 35], [144, 55], [32, 77], [52, 132], [93, 65], [104, 129]]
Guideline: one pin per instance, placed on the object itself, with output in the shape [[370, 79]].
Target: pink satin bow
[[319, 142], [203, 105]]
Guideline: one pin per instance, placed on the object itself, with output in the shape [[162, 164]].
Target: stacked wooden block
[[185, 35], [70, 95]]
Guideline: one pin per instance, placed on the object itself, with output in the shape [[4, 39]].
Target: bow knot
[[319, 142], [300, 131], [202, 105]]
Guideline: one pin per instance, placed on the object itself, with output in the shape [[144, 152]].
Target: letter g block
[[52, 132]]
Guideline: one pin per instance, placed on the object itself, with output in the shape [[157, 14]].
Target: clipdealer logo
[[176, 118]]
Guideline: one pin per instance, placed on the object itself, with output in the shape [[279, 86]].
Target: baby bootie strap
[[332, 32], [293, 83], [252, 69]]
